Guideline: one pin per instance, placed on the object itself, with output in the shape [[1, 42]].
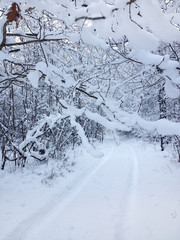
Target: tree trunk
[[162, 110]]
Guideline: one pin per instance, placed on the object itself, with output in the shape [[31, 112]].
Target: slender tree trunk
[[163, 111], [13, 107]]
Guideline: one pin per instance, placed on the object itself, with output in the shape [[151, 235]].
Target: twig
[[29, 42], [4, 35], [177, 58], [89, 18], [132, 19]]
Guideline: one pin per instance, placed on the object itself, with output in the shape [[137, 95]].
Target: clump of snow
[[33, 77]]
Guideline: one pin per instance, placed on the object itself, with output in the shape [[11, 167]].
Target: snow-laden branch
[[163, 127]]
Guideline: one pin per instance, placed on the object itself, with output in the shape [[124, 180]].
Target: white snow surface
[[132, 193]]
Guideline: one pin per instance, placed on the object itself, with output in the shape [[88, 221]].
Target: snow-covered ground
[[132, 193]]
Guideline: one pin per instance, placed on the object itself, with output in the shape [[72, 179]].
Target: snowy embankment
[[132, 193]]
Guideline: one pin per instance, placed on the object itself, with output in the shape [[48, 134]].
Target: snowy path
[[97, 203], [130, 194]]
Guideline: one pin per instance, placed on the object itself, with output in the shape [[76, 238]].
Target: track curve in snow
[[94, 207]]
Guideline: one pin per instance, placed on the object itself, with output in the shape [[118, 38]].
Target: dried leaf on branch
[[14, 14]]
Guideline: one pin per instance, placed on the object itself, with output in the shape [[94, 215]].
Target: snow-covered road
[[93, 208], [98, 210], [111, 200]]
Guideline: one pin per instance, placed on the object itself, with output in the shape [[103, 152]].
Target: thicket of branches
[[57, 93]]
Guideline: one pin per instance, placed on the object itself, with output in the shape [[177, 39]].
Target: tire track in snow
[[128, 202], [100, 208], [131, 195], [135, 171], [59, 201], [134, 184]]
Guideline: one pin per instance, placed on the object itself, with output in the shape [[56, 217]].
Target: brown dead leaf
[[14, 14]]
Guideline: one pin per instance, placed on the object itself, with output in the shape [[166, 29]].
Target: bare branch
[[88, 94], [120, 53], [4, 35], [177, 58], [28, 35], [89, 18], [32, 41], [131, 1], [132, 19]]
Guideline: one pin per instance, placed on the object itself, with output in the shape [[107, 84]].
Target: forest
[[89, 119], [75, 71]]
